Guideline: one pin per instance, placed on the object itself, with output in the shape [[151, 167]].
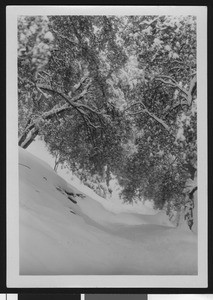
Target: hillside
[[63, 231]]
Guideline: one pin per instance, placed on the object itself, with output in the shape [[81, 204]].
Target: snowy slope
[[80, 236]]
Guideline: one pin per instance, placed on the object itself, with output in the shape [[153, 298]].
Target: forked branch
[[145, 110]]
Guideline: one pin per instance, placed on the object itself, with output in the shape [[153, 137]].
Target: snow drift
[[66, 232]]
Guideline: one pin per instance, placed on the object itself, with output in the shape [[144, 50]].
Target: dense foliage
[[113, 95]]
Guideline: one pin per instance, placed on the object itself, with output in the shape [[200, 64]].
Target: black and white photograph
[[107, 166]]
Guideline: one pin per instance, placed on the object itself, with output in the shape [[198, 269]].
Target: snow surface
[[60, 237]]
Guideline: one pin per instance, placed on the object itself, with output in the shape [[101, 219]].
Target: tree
[[65, 98], [74, 77], [163, 109], [114, 95]]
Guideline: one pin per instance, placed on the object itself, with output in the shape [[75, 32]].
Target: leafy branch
[[71, 103]]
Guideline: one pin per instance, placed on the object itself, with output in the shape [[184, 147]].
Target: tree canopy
[[113, 95]]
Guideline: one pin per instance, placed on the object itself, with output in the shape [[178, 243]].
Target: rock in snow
[[61, 237]]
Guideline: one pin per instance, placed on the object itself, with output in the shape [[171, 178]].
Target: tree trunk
[[189, 198], [27, 138], [31, 131], [57, 161]]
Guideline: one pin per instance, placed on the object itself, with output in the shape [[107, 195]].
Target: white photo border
[[13, 277]]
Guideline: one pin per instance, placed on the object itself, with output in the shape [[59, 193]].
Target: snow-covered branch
[[65, 38], [88, 108], [70, 104], [192, 89], [145, 22], [69, 39], [158, 120], [46, 115], [132, 105], [145, 110], [73, 101], [82, 80], [173, 83], [83, 93], [62, 95], [26, 80], [170, 81]]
